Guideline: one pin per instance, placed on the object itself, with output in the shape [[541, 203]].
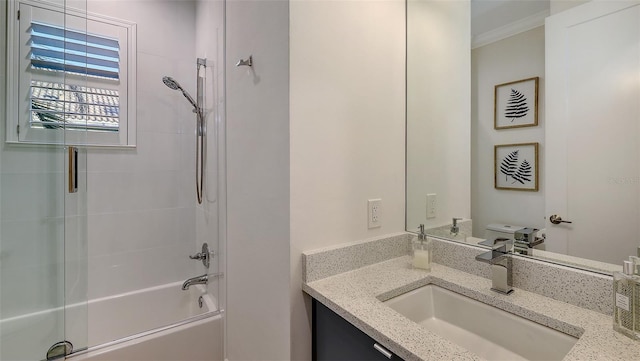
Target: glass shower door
[[42, 222], [76, 242], [31, 251]]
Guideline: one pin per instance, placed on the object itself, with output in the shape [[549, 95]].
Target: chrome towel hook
[[248, 62]]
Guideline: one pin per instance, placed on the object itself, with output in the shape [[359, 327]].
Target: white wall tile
[[187, 152], [31, 289], [31, 242], [155, 152], [124, 191], [162, 109], [32, 195], [30, 159], [112, 233], [165, 27], [134, 270], [159, 151], [186, 225], [112, 160], [206, 226], [187, 196]]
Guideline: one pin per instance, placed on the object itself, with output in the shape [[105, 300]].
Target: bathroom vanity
[[355, 300], [335, 339]]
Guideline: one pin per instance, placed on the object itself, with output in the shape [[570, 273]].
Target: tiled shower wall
[[141, 202]]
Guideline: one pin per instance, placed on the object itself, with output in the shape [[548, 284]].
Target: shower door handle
[[73, 170]]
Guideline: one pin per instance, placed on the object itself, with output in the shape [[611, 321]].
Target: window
[[74, 77], [56, 105]]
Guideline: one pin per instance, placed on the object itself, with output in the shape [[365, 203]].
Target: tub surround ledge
[[357, 296]]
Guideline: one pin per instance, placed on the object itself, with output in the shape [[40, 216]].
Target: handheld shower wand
[[200, 143], [172, 84]]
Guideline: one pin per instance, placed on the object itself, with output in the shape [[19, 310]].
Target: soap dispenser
[[635, 264], [623, 298], [422, 250]]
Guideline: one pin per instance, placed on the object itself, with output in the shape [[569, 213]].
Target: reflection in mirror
[[589, 153]]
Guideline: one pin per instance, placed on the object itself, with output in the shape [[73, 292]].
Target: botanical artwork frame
[[516, 167], [516, 104]]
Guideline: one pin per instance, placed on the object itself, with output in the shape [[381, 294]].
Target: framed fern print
[[516, 167], [516, 104]]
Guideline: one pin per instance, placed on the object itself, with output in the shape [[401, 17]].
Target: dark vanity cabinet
[[335, 339]]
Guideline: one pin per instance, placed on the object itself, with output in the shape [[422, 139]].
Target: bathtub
[[191, 341], [158, 323]]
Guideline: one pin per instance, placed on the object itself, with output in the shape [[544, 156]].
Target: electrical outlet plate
[[374, 213], [432, 206]]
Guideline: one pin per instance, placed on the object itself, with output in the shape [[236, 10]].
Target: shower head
[[171, 83], [168, 81]]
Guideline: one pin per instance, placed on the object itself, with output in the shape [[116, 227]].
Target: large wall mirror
[[470, 62]]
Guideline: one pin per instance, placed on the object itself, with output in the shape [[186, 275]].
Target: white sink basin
[[484, 330]]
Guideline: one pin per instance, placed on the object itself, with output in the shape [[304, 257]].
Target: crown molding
[[516, 27]]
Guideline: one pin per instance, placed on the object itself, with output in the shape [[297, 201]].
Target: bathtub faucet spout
[[199, 280]]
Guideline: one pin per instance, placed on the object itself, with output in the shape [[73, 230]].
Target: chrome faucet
[[205, 256], [199, 280], [501, 264], [525, 240], [454, 228]]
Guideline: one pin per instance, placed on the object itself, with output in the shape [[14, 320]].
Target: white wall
[[341, 144], [258, 311], [518, 57], [438, 110], [347, 131]]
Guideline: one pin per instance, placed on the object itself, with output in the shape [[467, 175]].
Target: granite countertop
[[357, 296]]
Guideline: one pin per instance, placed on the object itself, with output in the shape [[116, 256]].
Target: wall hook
[[248, 62]]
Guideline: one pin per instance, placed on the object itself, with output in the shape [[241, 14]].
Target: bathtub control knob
[[205, 255]]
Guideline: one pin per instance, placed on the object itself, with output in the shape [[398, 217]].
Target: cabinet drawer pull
[[383, 350]]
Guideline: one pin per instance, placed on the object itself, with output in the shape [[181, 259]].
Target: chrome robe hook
[[248, 62]]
